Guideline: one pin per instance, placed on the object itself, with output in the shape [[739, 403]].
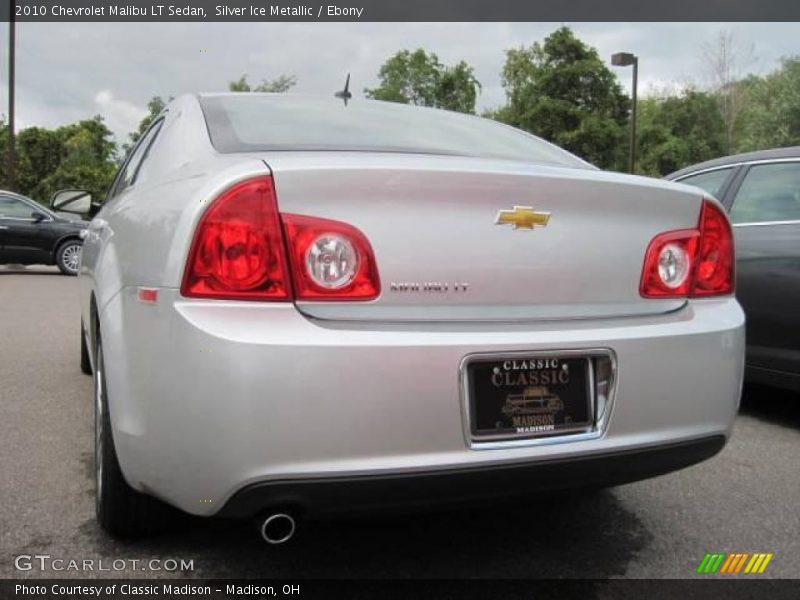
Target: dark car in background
[[30, 234], [761, 191]]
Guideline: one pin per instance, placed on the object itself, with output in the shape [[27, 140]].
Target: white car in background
[[294, 306]]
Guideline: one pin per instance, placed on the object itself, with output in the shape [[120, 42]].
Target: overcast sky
[[67, 72]]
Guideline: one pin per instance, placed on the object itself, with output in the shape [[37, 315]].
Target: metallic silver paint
[[431, 218], [206, 397]]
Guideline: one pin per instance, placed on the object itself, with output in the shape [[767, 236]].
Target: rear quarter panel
[[141, 236]]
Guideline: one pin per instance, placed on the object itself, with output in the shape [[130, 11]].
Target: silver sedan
[[292, 305]]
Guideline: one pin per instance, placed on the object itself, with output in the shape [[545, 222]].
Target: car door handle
[[3, 226]]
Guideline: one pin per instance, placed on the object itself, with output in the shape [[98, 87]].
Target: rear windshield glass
[[255, 122]]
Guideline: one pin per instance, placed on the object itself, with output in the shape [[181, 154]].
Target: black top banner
[[399, 10]]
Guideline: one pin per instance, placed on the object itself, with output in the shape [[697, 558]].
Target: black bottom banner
[[439, 589]]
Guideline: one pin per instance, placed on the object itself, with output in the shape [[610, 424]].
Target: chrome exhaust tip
[[278, 528]]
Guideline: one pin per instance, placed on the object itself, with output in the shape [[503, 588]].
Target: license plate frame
[[580, 398]]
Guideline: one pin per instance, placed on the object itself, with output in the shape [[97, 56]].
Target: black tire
[[68, 257], [86, 363], [121, 511]]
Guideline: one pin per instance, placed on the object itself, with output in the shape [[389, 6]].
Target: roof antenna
[[345, 93]]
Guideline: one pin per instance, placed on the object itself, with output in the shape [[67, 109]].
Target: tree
[[725, 59], [458, 89], [677, 130], [79, 155], [562, 91], [40, 152], [88, 160], [4, 184], [419, 78], [279, 85], [154, 108], [772, 116]]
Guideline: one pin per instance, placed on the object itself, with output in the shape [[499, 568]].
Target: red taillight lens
[[668, 264], [330, 260], [691, 262], [237, 252], [714, 272]]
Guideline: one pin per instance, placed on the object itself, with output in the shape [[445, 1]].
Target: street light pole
[[12, 150], [626, 59], [632, 157]]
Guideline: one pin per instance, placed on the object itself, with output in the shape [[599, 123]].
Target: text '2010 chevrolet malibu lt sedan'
[[294, 305]]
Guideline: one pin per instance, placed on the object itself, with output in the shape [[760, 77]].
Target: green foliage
[[3, 153], [771, 117], [78, 155], [279, 85], [678, 130], [39, 153], [562, 91], [559, 89], [458, 89], [154, 108], [419, 78], [686, 128]]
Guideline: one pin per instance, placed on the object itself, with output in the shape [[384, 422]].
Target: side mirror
[[78, 202], [37, 216]]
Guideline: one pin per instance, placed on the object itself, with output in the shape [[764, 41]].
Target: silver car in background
[[293, 306]]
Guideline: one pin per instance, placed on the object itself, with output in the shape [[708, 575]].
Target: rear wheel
[[121, 510], [68, 257]]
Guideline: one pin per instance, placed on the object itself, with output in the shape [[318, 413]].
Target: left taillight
[[691, 262], [237, 252]]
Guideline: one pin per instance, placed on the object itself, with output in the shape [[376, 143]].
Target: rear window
[[256, 122]]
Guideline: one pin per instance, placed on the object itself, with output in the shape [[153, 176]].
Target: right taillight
[[714, 269], [691, 262]]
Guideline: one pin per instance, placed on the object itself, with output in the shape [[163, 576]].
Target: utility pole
[[12, 150]]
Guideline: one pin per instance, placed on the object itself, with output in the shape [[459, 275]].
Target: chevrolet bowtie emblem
[[522, 217]]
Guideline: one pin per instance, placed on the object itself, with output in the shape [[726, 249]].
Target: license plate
[[530, 397]]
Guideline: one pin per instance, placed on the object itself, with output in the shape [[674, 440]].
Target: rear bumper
[[209, 398], [346, 495]]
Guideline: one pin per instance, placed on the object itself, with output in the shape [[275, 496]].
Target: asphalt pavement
[[746, 499]]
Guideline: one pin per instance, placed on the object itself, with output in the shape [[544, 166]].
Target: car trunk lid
[[451, 246]]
